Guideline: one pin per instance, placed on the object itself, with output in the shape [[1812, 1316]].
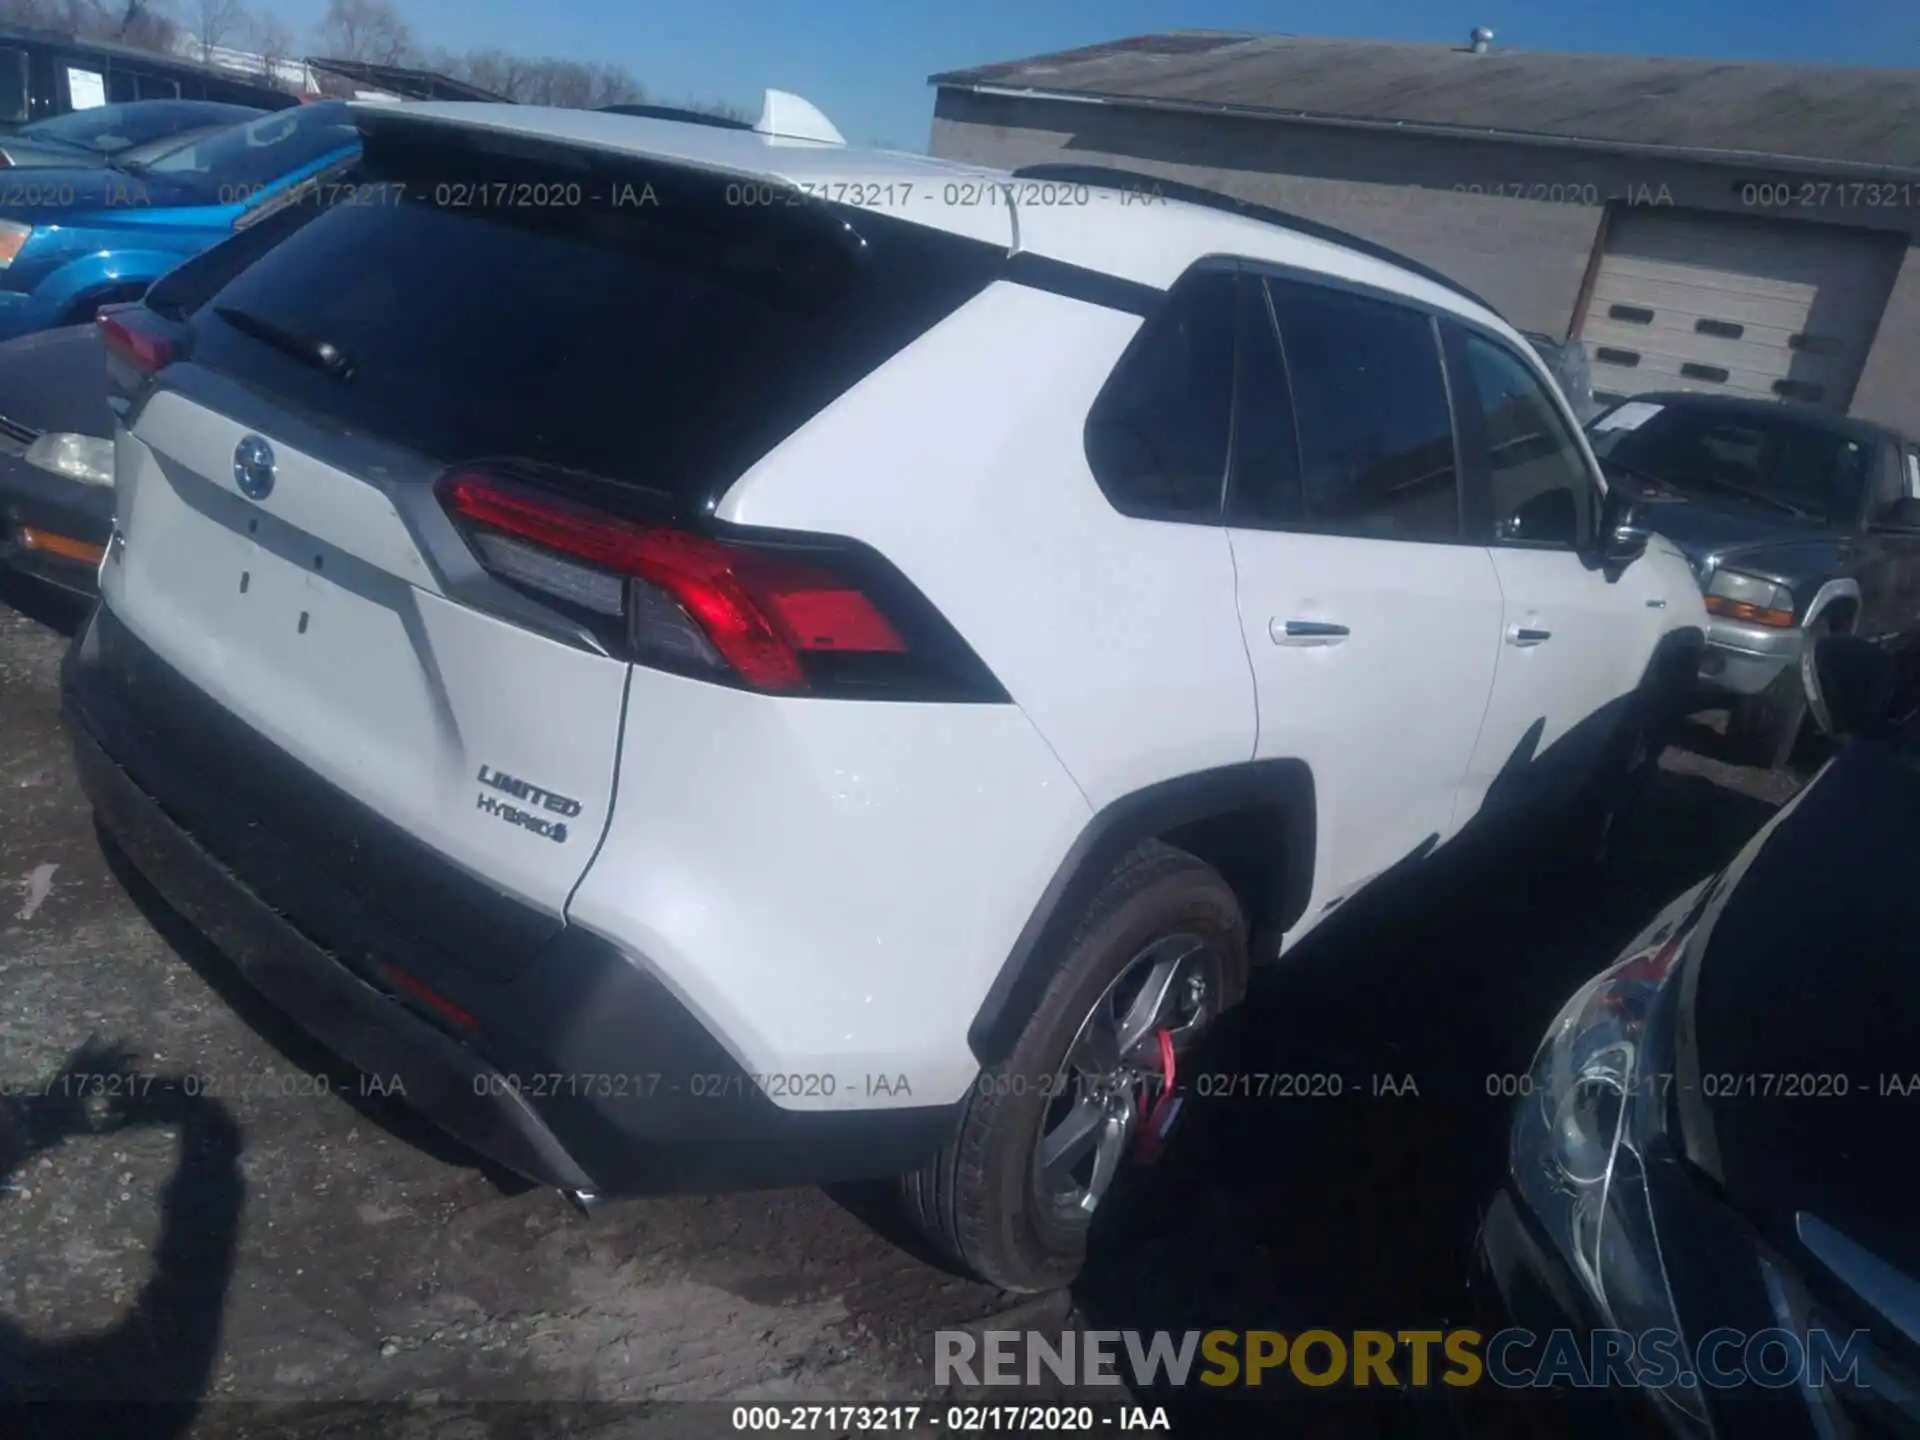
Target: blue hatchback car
[[73, 240]]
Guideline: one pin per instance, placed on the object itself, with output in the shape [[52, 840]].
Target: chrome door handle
[[1307, 632], [1523, 636]]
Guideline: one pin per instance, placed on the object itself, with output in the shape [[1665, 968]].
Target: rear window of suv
[[646, 325]]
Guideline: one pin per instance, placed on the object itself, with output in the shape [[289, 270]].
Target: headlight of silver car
[[1597, 1091], [78, 457], [1750, 598]]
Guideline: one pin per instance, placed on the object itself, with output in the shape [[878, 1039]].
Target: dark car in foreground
[[1799, 524], [56, 457], [107, 133], [1711, 1156]]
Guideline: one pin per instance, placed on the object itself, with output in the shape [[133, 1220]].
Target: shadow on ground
[[140, 1378], [1356, 1210]]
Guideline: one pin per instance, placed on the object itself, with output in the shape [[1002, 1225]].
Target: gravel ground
[[267, 1232]]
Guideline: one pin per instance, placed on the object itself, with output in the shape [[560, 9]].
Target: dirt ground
[[253, 1228]]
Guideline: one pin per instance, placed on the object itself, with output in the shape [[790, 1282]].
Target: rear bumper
[[581, 1070]]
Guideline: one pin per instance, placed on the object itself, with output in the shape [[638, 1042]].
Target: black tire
[[975, 1199], [1764, 730]]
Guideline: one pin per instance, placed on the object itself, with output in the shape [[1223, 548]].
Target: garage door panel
[[1730, 305], [1769, 347]]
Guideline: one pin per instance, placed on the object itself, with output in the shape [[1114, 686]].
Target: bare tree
[[368, 30], [724, 109], [215, 21], [272, 41], [615, 86], [146, 24]]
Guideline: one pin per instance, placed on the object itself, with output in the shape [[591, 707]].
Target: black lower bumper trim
[[344, 1013], [584, 1071]]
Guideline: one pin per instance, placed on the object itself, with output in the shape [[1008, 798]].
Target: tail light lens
[[784, 615], [137, 337]]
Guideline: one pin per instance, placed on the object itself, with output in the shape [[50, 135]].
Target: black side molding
[[1279, 791]]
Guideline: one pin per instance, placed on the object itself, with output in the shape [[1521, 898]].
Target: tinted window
[[13, 86], [190, 284], [1266, 450], [1376, 436], [1157, 436], [259, 152], [1541, 488], [113, 128], [1773, 462], [129, 85], [647, 332]]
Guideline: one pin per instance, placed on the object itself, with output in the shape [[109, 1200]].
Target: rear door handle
[[1522, 636], [1307, 632]]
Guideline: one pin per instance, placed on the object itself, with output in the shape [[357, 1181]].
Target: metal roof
[[404, 81], [1844, 117]]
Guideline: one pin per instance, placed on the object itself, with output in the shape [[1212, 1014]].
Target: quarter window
[[1157, 436], [1541, 487], [1370, 403]]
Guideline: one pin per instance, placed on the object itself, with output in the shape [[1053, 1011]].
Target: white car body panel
[[1154, 682], [829, 886], [1387, 717], [354, 667]]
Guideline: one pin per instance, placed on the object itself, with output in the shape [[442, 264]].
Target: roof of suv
[[1148, 236]]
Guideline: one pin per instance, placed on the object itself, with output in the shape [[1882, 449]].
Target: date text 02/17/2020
[[954, 1419]]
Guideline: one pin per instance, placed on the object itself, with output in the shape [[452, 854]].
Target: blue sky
[[865, 62]]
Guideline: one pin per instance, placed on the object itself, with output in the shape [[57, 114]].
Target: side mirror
[[1902, 514], [1850, 685], [1622, 539]]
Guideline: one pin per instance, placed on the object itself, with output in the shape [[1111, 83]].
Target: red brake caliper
[[1164, 1106]]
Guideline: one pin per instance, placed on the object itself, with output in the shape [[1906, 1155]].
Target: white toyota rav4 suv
[[725, 660]]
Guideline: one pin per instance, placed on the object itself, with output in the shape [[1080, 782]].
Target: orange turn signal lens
[[52, 544], [1752, 614]]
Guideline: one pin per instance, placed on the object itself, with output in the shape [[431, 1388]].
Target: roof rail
[[1114, 178], [677, 112]]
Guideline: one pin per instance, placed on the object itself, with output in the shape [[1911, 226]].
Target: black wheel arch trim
[[1280, 791]]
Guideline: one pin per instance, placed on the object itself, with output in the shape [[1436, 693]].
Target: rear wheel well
[[88, 305], [1257, 851], [1254, 822]]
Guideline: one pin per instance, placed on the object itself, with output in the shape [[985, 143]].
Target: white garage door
[[1779, 310]]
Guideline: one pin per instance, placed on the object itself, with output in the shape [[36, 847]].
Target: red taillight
[[135, 340], [685, 599]]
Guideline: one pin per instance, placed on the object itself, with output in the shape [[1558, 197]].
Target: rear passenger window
[[1370, 400], [1541, 488], [1157, 436]]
